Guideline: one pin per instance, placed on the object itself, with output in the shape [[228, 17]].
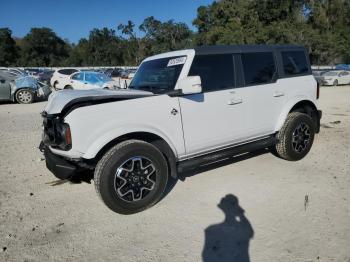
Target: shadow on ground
[[229, 240]]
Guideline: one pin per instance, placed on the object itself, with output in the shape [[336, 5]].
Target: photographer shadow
[[229, 240]]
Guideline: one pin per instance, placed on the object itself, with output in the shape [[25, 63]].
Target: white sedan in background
[[61, 76], [88, 80], [334, 78]]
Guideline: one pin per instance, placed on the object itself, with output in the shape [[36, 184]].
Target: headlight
[[56, 133], [63, 136]]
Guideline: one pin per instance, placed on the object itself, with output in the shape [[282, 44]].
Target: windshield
[[330, 74], [158, 76]]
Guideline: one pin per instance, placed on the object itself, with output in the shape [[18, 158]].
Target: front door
[[215, 117]]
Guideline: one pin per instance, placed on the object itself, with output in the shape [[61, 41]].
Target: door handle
[[278, 94], [235, 101]]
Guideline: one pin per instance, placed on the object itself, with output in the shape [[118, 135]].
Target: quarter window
[[294, 63], [258, 68], [216, 71]]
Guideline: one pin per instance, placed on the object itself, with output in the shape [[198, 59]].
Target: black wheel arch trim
[[308, 107]]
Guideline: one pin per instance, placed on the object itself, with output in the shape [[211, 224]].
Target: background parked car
[[14, 71], [336, 77], [33, 71], [131, 73], [23, 90], [45, 76], [90, 80], [60, 77]]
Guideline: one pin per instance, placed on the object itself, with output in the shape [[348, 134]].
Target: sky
[[73, 19]]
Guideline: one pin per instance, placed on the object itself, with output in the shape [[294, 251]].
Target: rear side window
[[258, 68], [216, 71], [67, 71], [294, 63]]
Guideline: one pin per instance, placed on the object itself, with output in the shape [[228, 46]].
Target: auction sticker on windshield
[[177, 61]]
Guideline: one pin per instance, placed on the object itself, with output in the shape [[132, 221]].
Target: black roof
[[224, 49]]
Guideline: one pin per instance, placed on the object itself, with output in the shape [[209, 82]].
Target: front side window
[[159, 75], [258, 68], [294, 63], [216, 71]]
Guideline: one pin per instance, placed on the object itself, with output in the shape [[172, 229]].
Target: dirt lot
[[286, 211]]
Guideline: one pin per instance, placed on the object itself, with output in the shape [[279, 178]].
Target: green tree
[[8, 48], [321, 25], [102, 48], [166, 36], [131, 44], [42, 47]]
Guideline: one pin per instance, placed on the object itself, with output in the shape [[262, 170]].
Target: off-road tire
[[106, 169], [284, 147], [24, 96]]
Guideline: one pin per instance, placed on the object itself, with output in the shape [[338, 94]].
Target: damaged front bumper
[[61, 167]]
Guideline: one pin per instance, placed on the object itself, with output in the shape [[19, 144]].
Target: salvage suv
[[182, 109]]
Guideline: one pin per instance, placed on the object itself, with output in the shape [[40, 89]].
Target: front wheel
[[131, 176], [295, 137], [335, 83], [24, 96]]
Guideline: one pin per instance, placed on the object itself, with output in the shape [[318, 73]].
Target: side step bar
[[225, 153]]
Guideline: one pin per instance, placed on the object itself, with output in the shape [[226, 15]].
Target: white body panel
[[205, 121], [94, 126]]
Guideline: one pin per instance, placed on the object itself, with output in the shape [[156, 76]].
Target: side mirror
[[190, 85]]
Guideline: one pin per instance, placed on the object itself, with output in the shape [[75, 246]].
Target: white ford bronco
[[182, 109]]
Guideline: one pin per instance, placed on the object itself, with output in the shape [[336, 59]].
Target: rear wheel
[[131, 176], [295, 137], [24, 96]]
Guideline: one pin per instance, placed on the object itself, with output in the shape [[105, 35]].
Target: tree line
[[323, 26]]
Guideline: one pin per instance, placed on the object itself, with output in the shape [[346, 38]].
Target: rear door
[[262, 95]]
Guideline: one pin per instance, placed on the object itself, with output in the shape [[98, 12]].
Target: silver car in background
[[335, 77], [23, 89]]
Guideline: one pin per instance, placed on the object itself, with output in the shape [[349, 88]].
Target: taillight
[[318, 91]]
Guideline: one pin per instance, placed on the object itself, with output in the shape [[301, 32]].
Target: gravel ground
[[259, 209]]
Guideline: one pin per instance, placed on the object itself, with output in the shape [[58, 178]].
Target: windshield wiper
[[153, 89]]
